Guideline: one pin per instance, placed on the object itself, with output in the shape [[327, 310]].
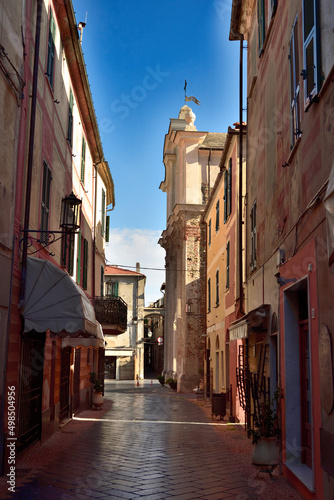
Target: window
[[112, 288], [209, 295], [217, 288], [85, 264], [253, 236], [209, 233], [67, 252], [261, 23], [228, 191], [102, 280], [311, 70], [294, 84], [45, 202], [217, 215], [51, 50], [83, 160], [103, 212], [70, 120], [228, 265]]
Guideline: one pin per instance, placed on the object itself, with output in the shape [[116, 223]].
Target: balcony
[[111, 312]]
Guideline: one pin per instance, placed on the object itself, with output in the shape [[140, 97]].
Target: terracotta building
[[54, 234], [289, 322], [191, 161]]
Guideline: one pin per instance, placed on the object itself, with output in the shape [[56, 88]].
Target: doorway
[[30, 390]]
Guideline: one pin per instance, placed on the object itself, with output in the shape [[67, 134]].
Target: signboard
[[160, 340]]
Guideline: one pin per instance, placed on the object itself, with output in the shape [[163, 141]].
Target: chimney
[[137, 267]]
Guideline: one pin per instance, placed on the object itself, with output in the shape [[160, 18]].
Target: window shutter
[[217, 288], [71, 253], [45, 202], [116, 289], [85, 264], [51, 50], [79, 258], [102, 280], [225, 194], [311, 50], [103, 212], [70, 119], [209, 229], [83, 160], [229, 189], [209, 294], [107, 228], [261, 23]]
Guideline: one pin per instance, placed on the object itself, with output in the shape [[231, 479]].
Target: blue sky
[[138, 55]]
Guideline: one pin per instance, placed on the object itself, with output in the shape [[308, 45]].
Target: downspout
[[240, 36], [30, 154]]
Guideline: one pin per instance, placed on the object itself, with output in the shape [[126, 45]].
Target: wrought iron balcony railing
[[111, 312]]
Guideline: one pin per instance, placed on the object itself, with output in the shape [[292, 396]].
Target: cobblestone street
[[148, 442]]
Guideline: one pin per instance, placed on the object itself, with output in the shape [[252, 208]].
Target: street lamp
[[69, 223]]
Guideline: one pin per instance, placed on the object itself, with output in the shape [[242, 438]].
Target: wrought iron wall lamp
[[69, 222]]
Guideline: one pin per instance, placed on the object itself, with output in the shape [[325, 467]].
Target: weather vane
[[190, 98]]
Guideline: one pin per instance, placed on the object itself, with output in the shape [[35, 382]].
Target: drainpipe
[[240, 36], [30, 154]]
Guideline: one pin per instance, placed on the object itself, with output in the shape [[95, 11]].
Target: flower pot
[[265, 454], [97, 400], [173, 385]]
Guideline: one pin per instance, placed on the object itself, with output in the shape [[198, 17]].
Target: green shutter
[[103, 212], [116, 289], [225, 194], [261, 23], [70, 119], [102, 280], [85, 264], [71, 253], [229, 189], [107, 228], [51, 50], [83, 160], [79, 258]]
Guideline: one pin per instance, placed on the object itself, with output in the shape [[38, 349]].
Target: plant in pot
[[265, 434], [97, 399], [172, 382], [161, 379]]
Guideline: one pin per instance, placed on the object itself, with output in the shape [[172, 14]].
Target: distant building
[[191, 161], [125, 348]]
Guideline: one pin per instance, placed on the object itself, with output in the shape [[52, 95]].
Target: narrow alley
[[147, 442]]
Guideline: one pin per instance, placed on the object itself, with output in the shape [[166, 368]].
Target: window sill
[[293, 150]]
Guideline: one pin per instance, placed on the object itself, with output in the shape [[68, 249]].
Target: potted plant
[[161, 379], [172, 382], [97, 399], [265, 435]]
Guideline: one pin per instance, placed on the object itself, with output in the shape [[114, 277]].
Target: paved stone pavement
[[149, 442]]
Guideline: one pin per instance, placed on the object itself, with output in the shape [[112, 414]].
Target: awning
[[254, 321], [239, 330], [53, 301]]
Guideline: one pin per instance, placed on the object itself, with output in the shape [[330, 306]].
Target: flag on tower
[[193, 99]]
